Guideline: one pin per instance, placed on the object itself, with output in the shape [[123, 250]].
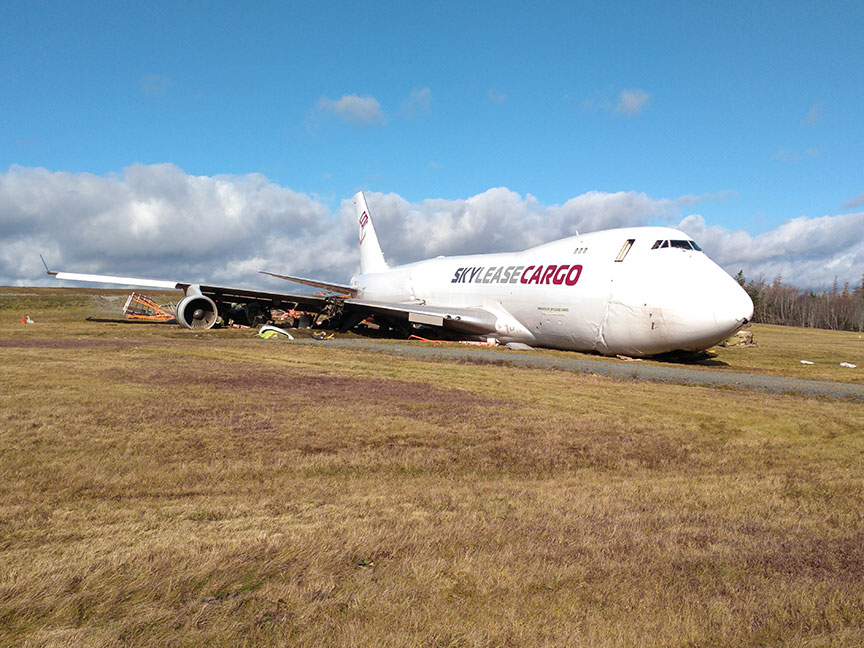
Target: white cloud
[[157, 221], [855, 202], [717, 197], [353, 109], [807, 252], [813, 115], [632, 102], [417, 103]]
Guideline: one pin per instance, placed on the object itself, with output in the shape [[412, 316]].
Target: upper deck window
[[625, 249]]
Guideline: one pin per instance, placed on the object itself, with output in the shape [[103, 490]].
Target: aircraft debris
[[488, 342], [422, 339], [848, 365], [268, 332], [142, 307], [321, 335], [628, 358], [518, 346], [807, 362], [25, 319], [741, 338]]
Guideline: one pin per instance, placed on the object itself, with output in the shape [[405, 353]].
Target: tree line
[[778, 303]]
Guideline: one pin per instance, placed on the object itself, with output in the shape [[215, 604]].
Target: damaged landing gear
[[252, 314], [257, 314]]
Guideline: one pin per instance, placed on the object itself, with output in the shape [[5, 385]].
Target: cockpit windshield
[[683, 245]]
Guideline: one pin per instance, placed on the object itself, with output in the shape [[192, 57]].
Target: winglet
[[371, 256], [46, 266]]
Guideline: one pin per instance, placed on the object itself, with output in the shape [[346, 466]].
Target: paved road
[[629, 370]]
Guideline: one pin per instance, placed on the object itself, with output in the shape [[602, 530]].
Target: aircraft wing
[[123, 281], [273, 299], [476, 321], [473, 321]]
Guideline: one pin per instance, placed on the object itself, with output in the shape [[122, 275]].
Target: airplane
[[635, 291]]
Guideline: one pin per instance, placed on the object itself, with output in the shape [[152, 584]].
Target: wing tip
[[47, 269]]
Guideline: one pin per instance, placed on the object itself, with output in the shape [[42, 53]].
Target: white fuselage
[[589, 293]]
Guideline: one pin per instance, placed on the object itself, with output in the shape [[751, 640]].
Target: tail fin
[[371, 257]]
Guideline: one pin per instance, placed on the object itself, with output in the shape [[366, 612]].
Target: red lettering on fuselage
[[558, 279], [546, 275]]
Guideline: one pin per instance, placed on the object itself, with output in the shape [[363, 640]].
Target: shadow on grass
[[111, 320], [700, 358]]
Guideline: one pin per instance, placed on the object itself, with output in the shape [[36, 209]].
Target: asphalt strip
[[625, 370]]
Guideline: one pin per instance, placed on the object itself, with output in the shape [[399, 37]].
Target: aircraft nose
[[702, 307], [732, 308]]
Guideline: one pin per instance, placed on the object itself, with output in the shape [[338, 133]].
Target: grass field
[[167, 487]]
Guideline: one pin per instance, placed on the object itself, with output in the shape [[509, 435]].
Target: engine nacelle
[[197, 312]]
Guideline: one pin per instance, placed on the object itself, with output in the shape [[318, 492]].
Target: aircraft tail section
[[371, 256]]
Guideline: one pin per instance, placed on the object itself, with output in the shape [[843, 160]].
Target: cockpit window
[[683, 245]]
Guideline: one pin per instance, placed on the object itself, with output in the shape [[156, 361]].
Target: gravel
[[626, 370]]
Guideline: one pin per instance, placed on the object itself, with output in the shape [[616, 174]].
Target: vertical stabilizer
[[371, 257]]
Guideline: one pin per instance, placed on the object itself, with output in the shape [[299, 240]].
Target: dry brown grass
[[164, 487]]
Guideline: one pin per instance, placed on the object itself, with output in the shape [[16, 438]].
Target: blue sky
[[753, 110]]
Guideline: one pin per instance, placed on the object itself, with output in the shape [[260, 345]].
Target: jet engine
[[197, 312]]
